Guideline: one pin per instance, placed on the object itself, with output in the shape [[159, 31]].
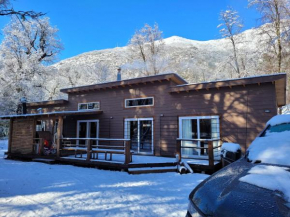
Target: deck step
[[143, 170], [142, 165], [44, 160]]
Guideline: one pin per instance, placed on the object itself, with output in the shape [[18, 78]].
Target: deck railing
[[89, 147], [210, 149]]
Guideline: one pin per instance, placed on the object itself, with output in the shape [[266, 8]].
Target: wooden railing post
[[10, 136], [178, 149], [59, 134], [210, 154], [89, 149], [127, 152]]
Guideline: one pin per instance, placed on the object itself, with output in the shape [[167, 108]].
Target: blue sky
[[88, 25]]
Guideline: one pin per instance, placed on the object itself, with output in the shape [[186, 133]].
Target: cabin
[[152, 121]]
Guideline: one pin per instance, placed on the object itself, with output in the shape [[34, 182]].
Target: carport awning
[[52, 114]]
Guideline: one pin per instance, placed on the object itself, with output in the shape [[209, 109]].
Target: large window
[[199, 129], [89, 106], [138, 102]]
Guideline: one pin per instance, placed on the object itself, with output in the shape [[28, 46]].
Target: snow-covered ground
[[36, 189]]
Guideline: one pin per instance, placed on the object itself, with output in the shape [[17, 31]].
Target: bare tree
[[277, 14], [232, 26], [149, 44], [6, 9], [26, 48]]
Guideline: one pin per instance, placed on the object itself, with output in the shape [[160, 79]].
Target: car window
[[276, 129]]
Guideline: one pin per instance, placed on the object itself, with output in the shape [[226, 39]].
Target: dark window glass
[[139, 102], [83, 106], [205, 128], [194, 128]]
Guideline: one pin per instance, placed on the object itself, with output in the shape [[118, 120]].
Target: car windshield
[[276, 129], [272, 146]]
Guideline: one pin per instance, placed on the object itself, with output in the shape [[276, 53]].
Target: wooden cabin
[[159, 115]]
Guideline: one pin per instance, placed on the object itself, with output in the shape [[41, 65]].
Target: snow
[[270, 177], [279, 119], [232, 147], [198, 161], [136, 159], [37, 189], [274, 148], [3, 147]]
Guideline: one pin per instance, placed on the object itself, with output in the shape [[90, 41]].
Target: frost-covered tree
[[6, 9], [147, 45], [231, 26], [25, 50], [277, 14]]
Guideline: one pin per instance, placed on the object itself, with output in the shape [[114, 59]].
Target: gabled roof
[[143, 80], [279, 80]]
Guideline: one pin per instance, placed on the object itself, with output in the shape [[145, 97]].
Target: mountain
[[194, 60]]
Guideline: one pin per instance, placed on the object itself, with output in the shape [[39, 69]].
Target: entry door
[[199, 129], [87, 129], [140, 132]]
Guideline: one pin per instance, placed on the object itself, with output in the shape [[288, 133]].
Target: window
[[89, 106], [138, 102], [199, 129]]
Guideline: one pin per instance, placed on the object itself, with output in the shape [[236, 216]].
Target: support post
[[127, 152], [89, 148], [10, 136], [178, 150], [210, 154], [59, 135]]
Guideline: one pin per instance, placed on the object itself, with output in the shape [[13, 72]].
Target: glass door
[[87, 129], [140, 132], [198, 128]]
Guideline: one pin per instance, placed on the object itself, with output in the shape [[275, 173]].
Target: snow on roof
[[273, 148], [234, 79], [270, 177], [279, 119], [232, 147]]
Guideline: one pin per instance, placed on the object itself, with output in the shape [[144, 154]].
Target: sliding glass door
[[140, 132], [87, 129], [198, 128]]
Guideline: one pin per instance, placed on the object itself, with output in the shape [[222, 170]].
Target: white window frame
[[88, 131], [87, 109], [138, 120], [198, 130], [151, 97]]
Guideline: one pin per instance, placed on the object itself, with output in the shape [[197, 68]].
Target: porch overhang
[[52, 114]]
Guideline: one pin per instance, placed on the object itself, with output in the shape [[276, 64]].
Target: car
[[258, 184]]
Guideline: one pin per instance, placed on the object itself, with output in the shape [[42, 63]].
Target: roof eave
[[143, 80]]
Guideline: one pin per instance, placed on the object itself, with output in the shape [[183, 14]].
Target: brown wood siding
[[241, 110], [22, 136]]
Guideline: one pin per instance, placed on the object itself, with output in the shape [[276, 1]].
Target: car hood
[[222, 194]]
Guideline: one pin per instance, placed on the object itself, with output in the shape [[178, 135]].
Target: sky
[[87, 25]]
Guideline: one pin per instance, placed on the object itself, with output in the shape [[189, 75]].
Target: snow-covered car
[[256, 185]]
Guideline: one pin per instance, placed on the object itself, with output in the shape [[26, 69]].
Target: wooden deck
[[140, 163], [116, 154]]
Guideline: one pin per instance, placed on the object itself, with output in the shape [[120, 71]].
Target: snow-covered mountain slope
[[194, 60]]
